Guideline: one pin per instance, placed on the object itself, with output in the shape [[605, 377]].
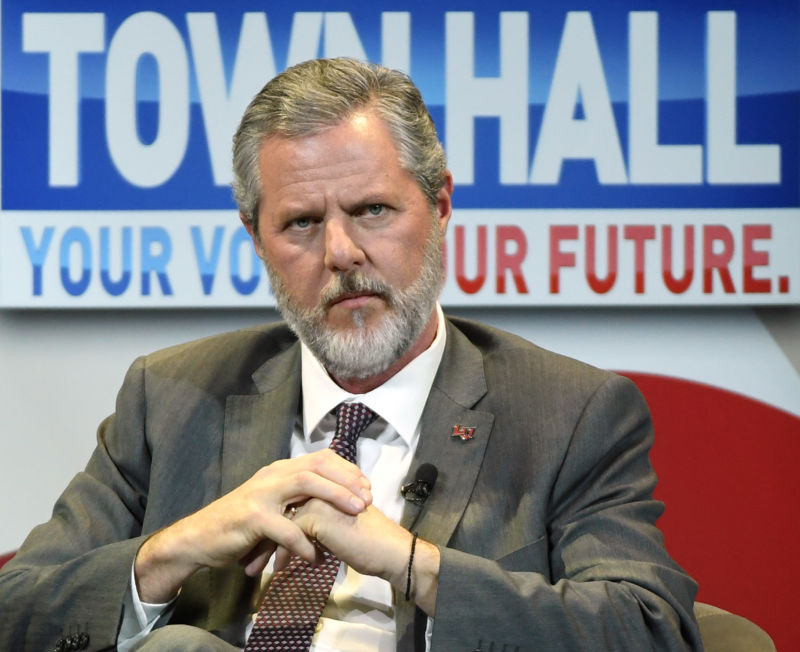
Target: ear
[[253, 234], [444, 201]]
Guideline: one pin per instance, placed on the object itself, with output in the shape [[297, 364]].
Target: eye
[[301, 223], [375, 209]]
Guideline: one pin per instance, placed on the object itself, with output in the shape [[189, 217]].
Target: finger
[[256, 560], [323, 478], [282, 557], [323, 474], [288, 534], [257, 565], [335, 468]]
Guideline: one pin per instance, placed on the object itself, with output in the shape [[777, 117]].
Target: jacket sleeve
[[71, 574], [599, 576]]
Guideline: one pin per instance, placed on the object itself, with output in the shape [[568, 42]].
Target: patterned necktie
[[297, 594]]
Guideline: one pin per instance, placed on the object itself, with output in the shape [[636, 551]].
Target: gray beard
[[361, 352]]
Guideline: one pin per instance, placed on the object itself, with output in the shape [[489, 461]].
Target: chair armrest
[[723, 631]]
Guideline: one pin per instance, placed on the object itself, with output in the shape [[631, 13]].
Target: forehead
[[361, 129], [359, 150]]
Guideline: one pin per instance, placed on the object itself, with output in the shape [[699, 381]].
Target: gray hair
[[312, 96]]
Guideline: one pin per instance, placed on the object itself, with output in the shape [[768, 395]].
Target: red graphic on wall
[[727, 469]]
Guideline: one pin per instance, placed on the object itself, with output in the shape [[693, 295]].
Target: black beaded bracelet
[[410, 562]]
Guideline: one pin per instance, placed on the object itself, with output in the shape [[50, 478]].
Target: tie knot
[[351, 420]]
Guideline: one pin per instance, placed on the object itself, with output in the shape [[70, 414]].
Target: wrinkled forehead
[[357, 157]]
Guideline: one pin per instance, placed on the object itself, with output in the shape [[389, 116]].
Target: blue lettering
[[207, 265], [157, 263], [115, 288], [76, 235], [244, 286], [37, 254]]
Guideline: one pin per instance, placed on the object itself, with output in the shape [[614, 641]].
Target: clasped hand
[[251, 522]]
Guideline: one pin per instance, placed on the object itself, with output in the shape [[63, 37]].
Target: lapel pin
[[465, 432]]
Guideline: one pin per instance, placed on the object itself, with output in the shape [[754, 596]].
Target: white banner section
[[120, 259]]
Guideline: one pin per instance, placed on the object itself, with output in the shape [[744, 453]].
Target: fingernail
[[366, 495], [357, 503]]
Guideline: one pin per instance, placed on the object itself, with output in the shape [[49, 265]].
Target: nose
[[342, 252]]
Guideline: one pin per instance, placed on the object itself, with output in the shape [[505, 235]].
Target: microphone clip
[[416, 492]]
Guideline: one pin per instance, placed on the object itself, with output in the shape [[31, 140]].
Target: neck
[[364, 385]]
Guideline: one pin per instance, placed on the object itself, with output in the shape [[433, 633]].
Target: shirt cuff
[[138, 618]]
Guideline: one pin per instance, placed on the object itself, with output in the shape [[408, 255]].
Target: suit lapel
[[258, 430], [458, 386], [258, 427], [458, 461]]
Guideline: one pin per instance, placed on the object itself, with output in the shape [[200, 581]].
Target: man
[[215, 476]]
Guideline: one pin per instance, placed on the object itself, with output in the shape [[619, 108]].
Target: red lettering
[[677, 286], [558, 258], [511, 262], [601, 286], [470, 285], [639, 234], [718, 261], [753, 258]]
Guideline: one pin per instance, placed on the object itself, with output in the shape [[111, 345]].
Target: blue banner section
[[673, 105]]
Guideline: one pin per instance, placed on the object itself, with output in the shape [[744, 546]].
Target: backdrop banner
[[601, 157]]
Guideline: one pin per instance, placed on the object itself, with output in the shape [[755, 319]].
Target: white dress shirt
[[359, 616]]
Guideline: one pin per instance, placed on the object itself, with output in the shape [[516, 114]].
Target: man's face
[[352, 246]]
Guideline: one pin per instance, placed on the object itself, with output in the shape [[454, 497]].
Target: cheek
[[300, 276], [403, 260]]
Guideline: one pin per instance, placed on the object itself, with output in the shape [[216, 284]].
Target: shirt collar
[[399, 401]]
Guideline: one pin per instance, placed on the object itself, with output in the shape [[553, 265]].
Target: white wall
[[60, 371]]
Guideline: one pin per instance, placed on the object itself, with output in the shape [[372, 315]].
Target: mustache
[[353, 282]]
